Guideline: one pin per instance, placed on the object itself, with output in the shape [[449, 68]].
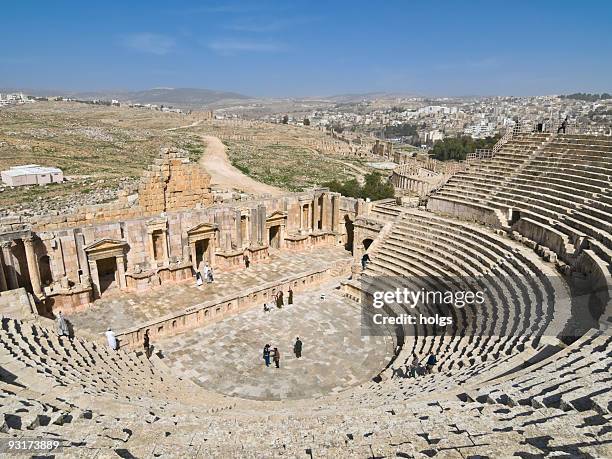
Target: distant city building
[[31, 174], [14, 99]]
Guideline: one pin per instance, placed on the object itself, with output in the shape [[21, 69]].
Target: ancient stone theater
[[193, 287]]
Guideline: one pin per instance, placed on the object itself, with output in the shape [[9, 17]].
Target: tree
[[587, 96], [375, 187], [405, 130], [286, 119], [306, 122], [457, 148]]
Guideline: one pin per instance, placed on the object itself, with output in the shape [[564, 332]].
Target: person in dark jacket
[[297, 347], [431, 361], [146, 343], [364, 261], [266, 354], [276, 357], [290, 296], [279, 299]]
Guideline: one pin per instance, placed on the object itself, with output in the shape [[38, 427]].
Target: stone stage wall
[[212, 311], [69, 267]]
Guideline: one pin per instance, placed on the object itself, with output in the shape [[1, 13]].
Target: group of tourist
[[271, 353], [414, 367], [279, 300], [274, 353], [204, 274], [63, 329]]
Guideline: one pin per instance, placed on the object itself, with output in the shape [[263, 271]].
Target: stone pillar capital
[[6, 244]]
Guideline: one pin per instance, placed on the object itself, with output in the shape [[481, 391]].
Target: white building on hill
[[31, 174]]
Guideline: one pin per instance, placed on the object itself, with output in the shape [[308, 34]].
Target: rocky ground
[[102, 150]]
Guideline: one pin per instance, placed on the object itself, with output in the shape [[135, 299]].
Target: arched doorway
[[367, 243], [202, 251], [107, 274], [274, 236]]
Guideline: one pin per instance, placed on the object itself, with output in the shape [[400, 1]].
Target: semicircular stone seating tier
[[527, 299], [561, 185], [101, 401]]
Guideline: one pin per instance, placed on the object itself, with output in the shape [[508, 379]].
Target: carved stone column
[[194, 261], [151, 244], [11, 274], [121, 271], [238, 228], [316, 211], [335, 212], [310, 218], [3, 284], [212, 249], [165, 246], [253, 226], [28, 242], [326, 214], [95, 278], [301, 217], [261, 224]]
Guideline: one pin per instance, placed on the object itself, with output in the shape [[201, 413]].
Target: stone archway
[[276, 225], [202, 244], [106, 260], [107, 274], [274, 236], [202, 250]]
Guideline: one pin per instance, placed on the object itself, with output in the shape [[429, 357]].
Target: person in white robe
[[62, 325], [206, 273], [111, 338]]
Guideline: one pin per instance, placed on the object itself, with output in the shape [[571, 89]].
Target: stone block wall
[[173, 183], [146, 251]]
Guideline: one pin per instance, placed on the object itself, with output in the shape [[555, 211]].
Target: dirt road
[[224, 175], [194, 124]]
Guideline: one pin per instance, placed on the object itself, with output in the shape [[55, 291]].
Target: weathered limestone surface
[[504, 385], [173, 183]]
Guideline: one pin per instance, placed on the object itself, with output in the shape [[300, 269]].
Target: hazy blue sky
[[310, 47]]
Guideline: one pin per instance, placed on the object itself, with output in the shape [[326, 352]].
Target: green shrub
[[375, 187]]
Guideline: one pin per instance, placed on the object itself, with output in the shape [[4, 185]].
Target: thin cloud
[[150, 43], [257, 27], [229, 8], [266, 25], [231, 46], [221, 9]]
